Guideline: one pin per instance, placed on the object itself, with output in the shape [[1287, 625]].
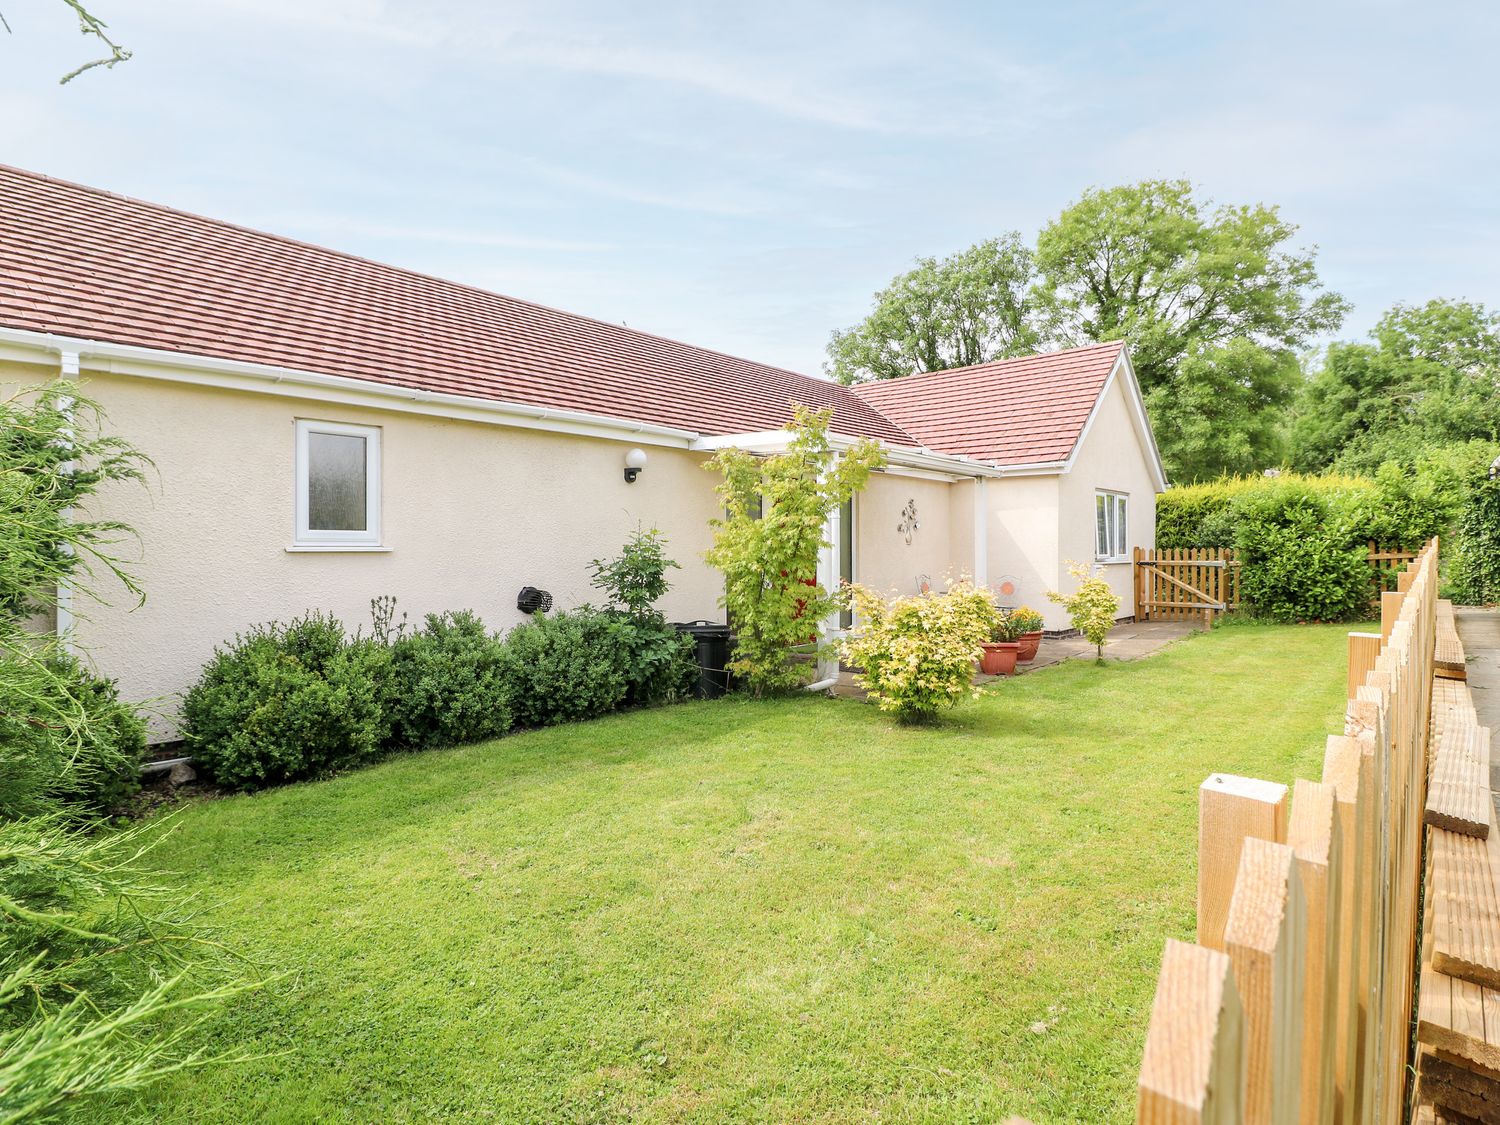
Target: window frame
[[304, 536], [1116, 525]]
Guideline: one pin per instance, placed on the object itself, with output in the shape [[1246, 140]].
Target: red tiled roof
[[1011, 412], [80, 262]]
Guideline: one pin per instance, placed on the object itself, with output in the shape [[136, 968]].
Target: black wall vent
[[532, 600]]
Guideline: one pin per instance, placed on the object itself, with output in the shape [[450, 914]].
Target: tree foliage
[[969, 308], [95, 950], [90, 26], [767, 544], [1429, 376], [1150, 264], [1220, 411], [1213, 301]]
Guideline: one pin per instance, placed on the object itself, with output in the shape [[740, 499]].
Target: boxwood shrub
[[284, 702], [447, 684], [567, 666]]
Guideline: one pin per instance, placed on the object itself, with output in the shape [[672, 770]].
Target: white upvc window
[[338, 486], [1111, 526]]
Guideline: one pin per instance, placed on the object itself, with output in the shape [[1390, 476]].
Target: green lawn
[[744, 911]]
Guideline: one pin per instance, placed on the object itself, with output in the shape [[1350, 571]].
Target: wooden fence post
[[1390, 609], [1313, 834], [1351, 773], [1230, 810], [1193, 1072], [1363, 649], [1266, 939], [1140, 608]]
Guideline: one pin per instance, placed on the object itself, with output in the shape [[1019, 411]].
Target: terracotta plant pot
[[999, 658], [1029, 643]]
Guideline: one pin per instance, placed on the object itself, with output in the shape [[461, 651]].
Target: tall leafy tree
[[1430, 377], [970, 308], [1221, 411], [1149, 264]]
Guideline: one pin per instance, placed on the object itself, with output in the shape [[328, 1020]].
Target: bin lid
[[701, 628]]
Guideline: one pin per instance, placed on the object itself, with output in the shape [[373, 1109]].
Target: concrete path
[[1126, 642], [1479, 629]]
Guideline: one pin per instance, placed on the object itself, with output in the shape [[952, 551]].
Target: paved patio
[[1126, 642]]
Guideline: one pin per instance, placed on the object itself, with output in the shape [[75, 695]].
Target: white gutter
[[181, 367], [154, 363], [904, 456]]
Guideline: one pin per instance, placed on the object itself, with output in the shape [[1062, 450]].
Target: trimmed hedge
[[447, 684], [1475, 570], [285, 702], [1302, 540]]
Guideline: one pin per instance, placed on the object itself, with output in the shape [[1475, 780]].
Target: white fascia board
[[207, 371], [901, 460], [1037, 469], [1123, 371]]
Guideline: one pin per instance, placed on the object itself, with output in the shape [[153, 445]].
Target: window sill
[[337, 549], [1116, 560]]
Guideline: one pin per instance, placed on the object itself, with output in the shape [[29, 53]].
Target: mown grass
[[743, 911]]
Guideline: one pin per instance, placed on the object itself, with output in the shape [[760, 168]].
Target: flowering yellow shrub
[[918, 653], [1093, 608]]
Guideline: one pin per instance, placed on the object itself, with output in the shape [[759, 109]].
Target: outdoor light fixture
[[1495, 469], [635, 461]]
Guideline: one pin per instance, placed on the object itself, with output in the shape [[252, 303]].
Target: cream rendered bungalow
[[326, 429]]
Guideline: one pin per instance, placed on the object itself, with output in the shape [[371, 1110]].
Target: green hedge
[[288, 702], [285, 702], [1475, 571], [1302, 540]]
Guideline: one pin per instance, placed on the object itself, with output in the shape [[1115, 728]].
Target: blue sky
[[745, 176]]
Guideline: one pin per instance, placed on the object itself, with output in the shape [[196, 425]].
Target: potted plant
[[1002, 649], [1028, 625]]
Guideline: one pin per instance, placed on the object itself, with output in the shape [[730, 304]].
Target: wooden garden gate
[[1185, 583]]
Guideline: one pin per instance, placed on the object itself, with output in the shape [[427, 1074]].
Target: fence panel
[[1320, 917]]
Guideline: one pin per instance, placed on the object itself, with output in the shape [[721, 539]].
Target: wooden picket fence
[[1297, 1002], [1198, 583]]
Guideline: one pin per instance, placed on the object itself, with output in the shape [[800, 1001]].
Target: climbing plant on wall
[[775, 523]]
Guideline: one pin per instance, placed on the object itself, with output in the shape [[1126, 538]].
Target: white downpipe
[[67, 369], [828, 578], [981, 532]]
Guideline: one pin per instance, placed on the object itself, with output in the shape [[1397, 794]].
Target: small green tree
[[767, 544], [637, 577], [1092, 608], [94, 951]]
